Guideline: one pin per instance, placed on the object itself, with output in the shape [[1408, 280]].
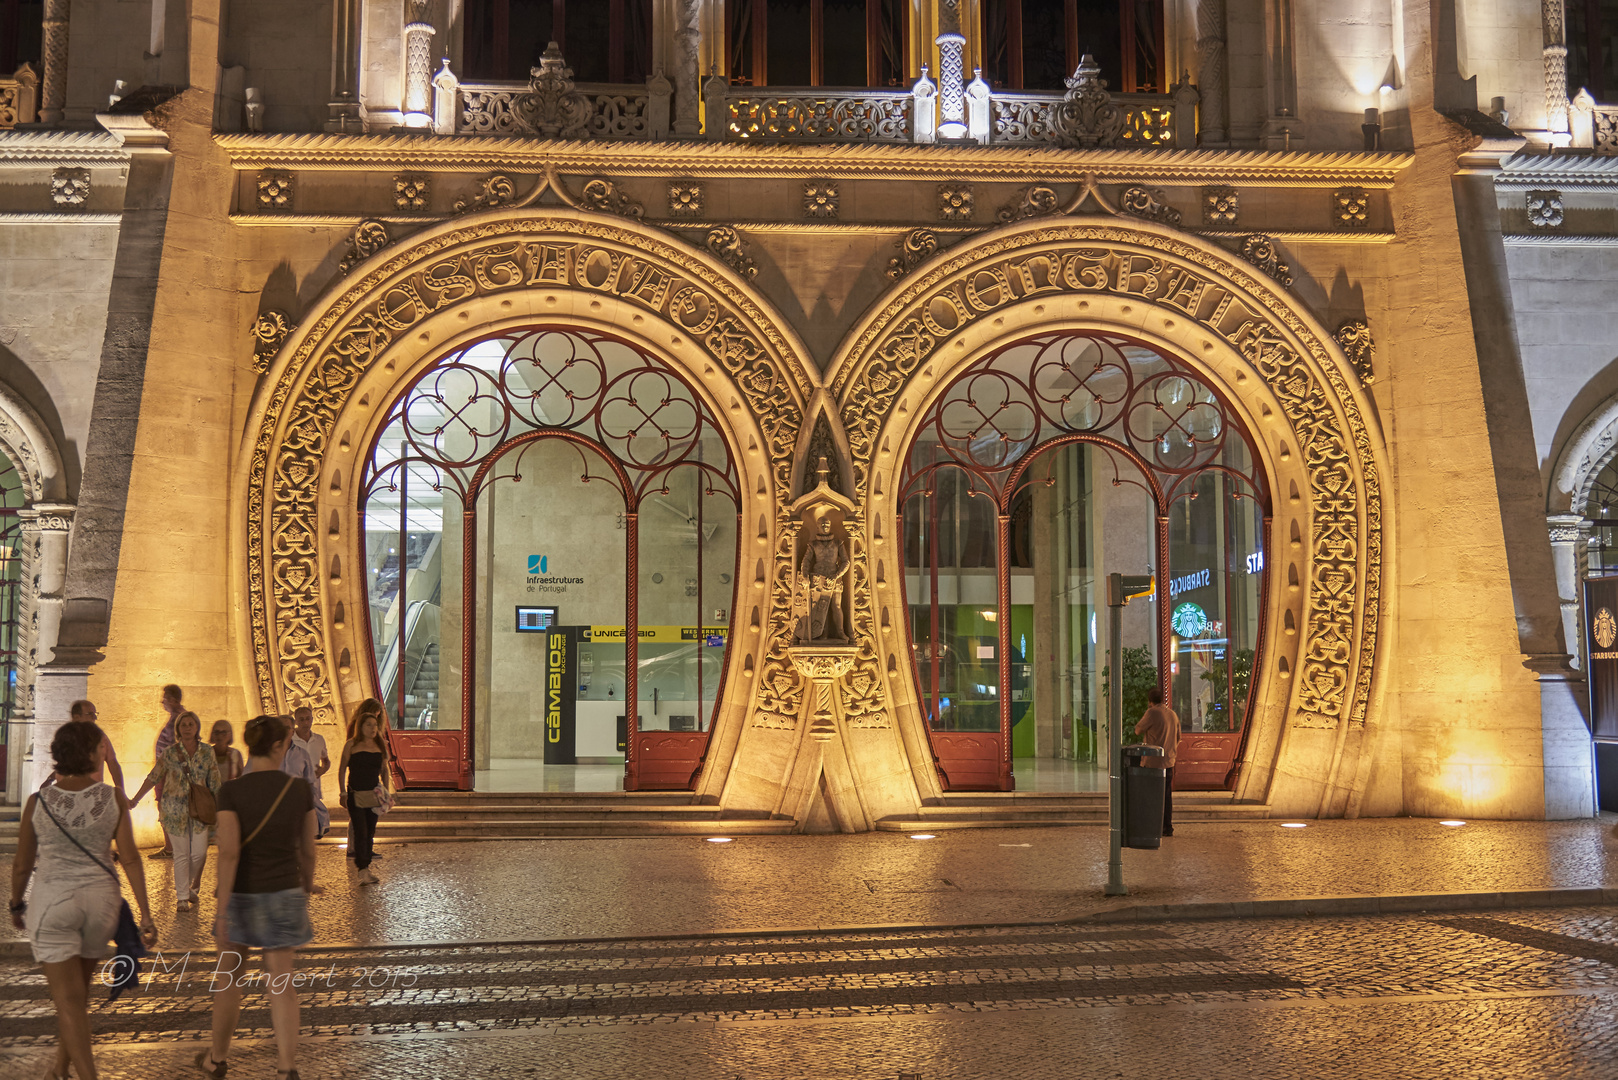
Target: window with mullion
[[1036, 44], [1592, 49], [604, 41], [816, 42]]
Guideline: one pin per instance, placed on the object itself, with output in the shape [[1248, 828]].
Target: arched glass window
[[603, 41], [1042, 469], [1602, 511], [1036, 44], [529, 498]]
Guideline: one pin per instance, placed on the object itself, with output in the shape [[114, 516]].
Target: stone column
[[1282, 127], [345, 113], [687, 67], [418, 65], [1554, 16], [1569, 534], [1211, 70], [951, 81], [54, 51], [44, 528]]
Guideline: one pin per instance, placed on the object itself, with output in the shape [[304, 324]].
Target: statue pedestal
[[823, 665]]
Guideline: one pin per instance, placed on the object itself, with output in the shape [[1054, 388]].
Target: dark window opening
[[603, 41], [1592, 49], [1037, 44], [21, 23], [816, 42]]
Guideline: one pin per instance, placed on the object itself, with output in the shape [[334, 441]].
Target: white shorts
[[64, 924]]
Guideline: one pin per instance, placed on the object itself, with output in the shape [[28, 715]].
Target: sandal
[[217, 1071], [290, 1074]]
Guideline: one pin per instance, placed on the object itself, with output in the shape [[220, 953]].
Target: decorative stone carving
[[1148, 203], [275, 189], [1221, 206], [951, 79], [270, 329], [1211, 68], [726, 243], [17, 98], [418, 84], [1554, 54], [823, 665], [823, 581], [1342, 561], [1355, 338], [608, 198], [821, 650], [53, 50], [955, 202], [368, 238], [1351, 208], [1036, 200], [915, 247], [1545, 209], [70, 187], [685, 199], [410, 193], [494, 190], [552, 107], [1087, 117], [821, 198], [311, 388], [1263, 253]]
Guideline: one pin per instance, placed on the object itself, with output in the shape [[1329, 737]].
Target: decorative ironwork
[[553, 106], [1160, 413], [1032, 119], [812, 116]]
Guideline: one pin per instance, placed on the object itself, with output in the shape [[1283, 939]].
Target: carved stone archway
[[46, 520], [397, 313], [1308, 751], [1585, 454]]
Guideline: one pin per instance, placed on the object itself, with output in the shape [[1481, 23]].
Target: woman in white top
[[66, 834]]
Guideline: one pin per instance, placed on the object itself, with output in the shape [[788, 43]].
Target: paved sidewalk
[[565, 889]]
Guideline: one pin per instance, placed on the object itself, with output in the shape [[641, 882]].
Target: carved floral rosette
[[1309, 418], [308, 430]]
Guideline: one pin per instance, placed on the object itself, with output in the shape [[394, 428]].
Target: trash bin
[[1143, 798]]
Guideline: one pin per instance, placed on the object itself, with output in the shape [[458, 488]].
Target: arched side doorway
[[1312, 713], [523, 464], [1043, 467], [326, 396]]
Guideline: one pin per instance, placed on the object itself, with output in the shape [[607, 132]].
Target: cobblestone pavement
[[529, 890], [1511, 994]]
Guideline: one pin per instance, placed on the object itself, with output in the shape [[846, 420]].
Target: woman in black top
[[266, 876], [361, 773]]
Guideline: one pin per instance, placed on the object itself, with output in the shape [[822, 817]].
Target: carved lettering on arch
[[1345, 542], [288, 580]]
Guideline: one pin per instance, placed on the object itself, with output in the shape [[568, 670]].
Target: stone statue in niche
[[824, 571], [820, 594]]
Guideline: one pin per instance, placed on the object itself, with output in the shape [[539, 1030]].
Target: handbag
[[204, 807], [125, 964], [367, 800]]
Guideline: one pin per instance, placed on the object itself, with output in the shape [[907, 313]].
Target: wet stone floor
[[1531, 993]]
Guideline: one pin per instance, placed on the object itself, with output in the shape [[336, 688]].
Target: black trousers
[[361, 833], [1168, 803]]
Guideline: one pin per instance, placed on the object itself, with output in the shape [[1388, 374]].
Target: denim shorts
[[275, 920]]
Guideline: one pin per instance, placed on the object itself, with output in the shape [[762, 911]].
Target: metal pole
[[1115, 723]]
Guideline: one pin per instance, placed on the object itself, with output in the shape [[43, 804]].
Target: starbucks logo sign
[[1189, 620], [1606, 628]]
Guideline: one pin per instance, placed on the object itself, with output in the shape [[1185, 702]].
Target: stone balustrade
[[19, 98]]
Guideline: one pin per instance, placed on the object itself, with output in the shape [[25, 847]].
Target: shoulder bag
[[268, 814], [130, 947]]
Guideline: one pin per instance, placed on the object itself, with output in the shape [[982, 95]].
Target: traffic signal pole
[[1121, 589]]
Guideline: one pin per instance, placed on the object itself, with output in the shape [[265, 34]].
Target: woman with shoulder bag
[[362, 785], [266, 876], [66, 835], [189, 775]]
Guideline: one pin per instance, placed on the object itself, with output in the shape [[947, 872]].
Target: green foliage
[[1241, 670], [1140, 675]]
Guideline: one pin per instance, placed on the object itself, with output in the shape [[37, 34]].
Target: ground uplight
[[1452, 824], [1294, 825], [923, 836], [717, 839]]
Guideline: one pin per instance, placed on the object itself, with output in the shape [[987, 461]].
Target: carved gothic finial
[[1355, 338], [1087, 116], [368, 238], [269, 330], [1261, 251], [916, 246], [727, 244], [822, 469], [552, 107]]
